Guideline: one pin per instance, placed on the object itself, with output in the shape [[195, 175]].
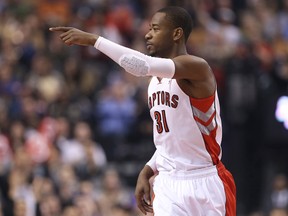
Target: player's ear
[[178, 33]]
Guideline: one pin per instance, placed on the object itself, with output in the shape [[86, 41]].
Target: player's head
[[179, 18], [168, 26]]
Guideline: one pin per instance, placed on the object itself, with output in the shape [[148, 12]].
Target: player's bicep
[[191, 67]]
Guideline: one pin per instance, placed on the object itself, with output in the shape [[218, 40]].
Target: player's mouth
[[149, 45]]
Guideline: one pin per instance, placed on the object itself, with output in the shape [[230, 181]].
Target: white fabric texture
[[135, 62], [198, 194]]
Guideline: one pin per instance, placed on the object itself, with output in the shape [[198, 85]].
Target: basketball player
[[184, 106]]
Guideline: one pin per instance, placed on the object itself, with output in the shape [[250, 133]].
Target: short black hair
[[179, 17]]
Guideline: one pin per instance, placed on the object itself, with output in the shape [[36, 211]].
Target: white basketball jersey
[[187, 131]]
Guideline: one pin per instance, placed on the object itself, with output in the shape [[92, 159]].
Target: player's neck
[[172, 52], [177, 51]]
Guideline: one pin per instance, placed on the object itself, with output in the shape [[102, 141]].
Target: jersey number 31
[[161, 121]]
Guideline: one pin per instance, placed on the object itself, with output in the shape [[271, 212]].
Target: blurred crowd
[[75, 128]]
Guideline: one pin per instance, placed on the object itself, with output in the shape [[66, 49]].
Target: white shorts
[[201, 193]]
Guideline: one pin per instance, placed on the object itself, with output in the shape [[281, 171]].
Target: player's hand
[[73, 36], [143, 191]]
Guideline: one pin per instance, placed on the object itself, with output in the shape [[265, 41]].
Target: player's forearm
[[147, 172], [135, 62]]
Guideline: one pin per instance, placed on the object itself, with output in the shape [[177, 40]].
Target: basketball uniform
[[187, 134]]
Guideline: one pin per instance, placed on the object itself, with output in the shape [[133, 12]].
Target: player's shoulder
[[191, 58]]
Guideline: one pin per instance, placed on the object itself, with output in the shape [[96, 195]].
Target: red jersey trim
[[203, 104]]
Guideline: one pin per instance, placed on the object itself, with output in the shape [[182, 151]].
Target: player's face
[[159, 39]]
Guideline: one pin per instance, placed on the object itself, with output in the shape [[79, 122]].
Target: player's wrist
[[93, 39], [97, 41]]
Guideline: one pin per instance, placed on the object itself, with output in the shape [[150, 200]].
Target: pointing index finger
[[60, 29]]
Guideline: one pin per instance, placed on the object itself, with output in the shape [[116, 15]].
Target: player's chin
[[152, 52]]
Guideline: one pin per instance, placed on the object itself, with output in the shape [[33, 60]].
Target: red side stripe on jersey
[[203, 104], [211, 144], [207, 122], [230, 189], [214, 150]]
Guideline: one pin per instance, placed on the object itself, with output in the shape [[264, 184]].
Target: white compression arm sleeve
[[136, 62]]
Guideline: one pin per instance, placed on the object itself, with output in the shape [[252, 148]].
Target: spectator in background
[[120, 210], [10, 88], [50, 205], [20, 208], [67, 183], [71, 211], [114, 192], [17, 134], [283, 19], [54, 11], [87, 206], [98, 22], [115, 114], [44, 80], [221, 34], [279, 194], [6, 156], [278, 212], [20, 191], [93, 158], [82, 152]]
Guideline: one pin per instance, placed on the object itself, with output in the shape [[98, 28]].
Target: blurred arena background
[[75, 129]]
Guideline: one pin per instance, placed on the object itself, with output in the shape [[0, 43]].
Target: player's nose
[[148, 36]]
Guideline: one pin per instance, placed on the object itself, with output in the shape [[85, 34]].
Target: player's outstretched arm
[[131, 60], [73, 36], [191, 68]]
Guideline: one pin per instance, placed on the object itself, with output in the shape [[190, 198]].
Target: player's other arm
[[143, 186]]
